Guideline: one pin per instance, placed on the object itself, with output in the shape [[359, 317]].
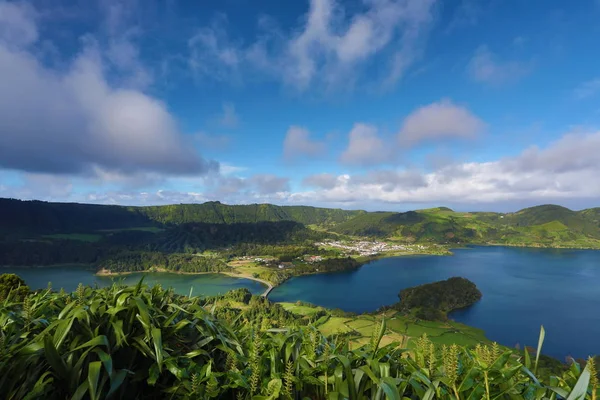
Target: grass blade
[[539, 348], [158, 347], [93, 378]]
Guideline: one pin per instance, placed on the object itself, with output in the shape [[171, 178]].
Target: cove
[[69, 277], [522, 289]]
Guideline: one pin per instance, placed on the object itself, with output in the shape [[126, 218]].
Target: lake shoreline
[[107, 273]]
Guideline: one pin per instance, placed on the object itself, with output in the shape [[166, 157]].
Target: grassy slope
[[400, 328], [546, 225]]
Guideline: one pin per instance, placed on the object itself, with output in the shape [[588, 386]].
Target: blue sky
[[375, 104]]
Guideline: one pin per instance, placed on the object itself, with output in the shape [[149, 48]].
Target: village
[[368, 248]]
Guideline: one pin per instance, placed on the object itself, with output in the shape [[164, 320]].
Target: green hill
[[216, 212], [591, 215], [433, 301], [44, 217], [545, 226], [545, 214], [540, 226]]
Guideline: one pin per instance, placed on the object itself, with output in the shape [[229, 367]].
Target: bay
[[522, 289], [68, 277]]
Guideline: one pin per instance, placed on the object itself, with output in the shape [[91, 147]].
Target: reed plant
[[136, 342]]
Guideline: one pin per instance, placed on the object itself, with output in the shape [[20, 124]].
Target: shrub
[[11, 284]]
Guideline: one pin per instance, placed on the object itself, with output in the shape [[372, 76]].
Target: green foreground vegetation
[[137, 342]]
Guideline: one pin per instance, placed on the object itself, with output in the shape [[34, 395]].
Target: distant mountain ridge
[[545, 225], [24, 215]]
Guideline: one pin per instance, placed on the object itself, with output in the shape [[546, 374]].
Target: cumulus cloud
[[390, 180], [231, 185], [485, 67], [365, 147], [323, 181], [327, 49], [73, 121], [297, 144], [439, 120], [17, 24], [563, 172], [326, 45], [268, 183]]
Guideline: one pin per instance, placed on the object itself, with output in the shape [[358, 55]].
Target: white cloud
[[323, 181], [269, 183], [17, 24], [365, 147], [439, 120], [229, 118], [120, 34], [485, 67], [566, 170], [298, 144], [228, 169], [588, 89], [212, 54], [329, 48], [73, 121]]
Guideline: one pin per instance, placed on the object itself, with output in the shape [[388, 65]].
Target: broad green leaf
[[61, 332], [580, 389], [527, 359], [40, 387], [559, 391], [97, 341], [116, 381], [106, 361], [143, 314], [153, 375], [54, 358], [351, 387], [158, 347], [429, 394], [389, 388], [370, 374], [80, 392], [93, 378]]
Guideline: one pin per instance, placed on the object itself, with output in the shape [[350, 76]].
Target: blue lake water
[[522, 289], [69, 277]]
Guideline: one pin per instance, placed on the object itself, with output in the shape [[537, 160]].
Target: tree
[[11, 283]]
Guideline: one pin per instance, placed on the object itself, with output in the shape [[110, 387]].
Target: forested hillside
[[44, 217], [185, 227], [546, 226]]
